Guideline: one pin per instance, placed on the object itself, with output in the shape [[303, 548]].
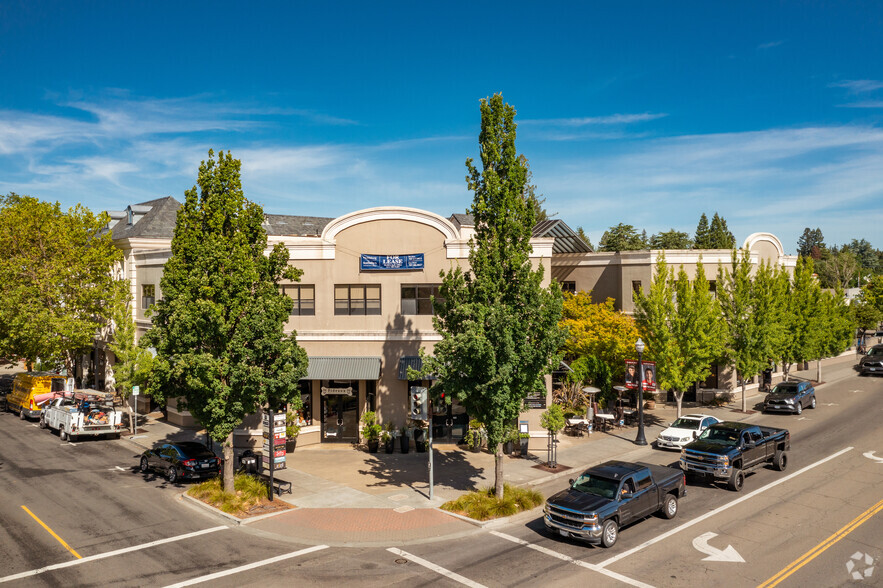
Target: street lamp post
[[640, 439]]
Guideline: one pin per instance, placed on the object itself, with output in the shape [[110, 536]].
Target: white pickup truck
[[82, 413]]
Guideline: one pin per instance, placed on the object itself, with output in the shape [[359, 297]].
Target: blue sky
[[649, 113]]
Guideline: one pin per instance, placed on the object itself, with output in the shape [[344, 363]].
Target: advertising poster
[[648, 378]]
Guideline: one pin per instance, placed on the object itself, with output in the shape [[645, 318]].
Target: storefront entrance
[[340, 412], [449, 421]]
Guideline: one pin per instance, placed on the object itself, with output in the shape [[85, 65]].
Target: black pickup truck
[[727, 450], [612, 495]]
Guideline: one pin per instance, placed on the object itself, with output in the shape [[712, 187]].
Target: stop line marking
[[246, 567], [436, 568]]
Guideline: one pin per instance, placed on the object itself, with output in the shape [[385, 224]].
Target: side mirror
[[695, 434], [572, 481], [625, 495]]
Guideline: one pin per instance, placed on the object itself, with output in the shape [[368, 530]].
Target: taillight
[[189, 463]]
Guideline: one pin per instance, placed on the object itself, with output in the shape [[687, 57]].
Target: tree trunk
[[498, 471], [819, 371], [744, 398], [679, 398], [228, 463], [786, 367]]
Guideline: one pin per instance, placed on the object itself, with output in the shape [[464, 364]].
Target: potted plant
[[292, 430], [509, 440], [404, 440], [473, 437], [387, 437], [371, 430], [525, 441]]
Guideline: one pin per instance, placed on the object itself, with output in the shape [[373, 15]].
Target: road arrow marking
[[715, 554], [830, 404], [870, 455]]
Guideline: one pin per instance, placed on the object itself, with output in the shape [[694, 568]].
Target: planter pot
[[373, 445], [650, 404], [419, 440], [290, 444], [389, 446], [524, 444], [405, 443]]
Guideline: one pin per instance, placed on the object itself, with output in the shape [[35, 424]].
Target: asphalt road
[[801, 527]]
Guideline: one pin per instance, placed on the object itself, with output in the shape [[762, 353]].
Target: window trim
[[366, 310], [434, 288], [144, 299], [296, 303]]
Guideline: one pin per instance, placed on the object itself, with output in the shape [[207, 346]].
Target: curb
[[228, 518]]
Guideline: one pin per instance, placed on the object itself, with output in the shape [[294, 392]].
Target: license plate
[[205, 465], [564, 533]]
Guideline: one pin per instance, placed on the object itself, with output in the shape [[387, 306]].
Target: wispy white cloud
[[863, 104], [770, 45], [858, 86], [612, 119]]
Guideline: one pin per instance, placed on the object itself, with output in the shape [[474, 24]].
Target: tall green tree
[[584, 237], [837, 269], [530, 193], [811, 243], [719, 236], [498, 324], [769, 300], [702, 238], [622, 237], [801, 316], [218, 329], [745, 348], [57, 271], [132, 363], [671, 239], [836, 328]]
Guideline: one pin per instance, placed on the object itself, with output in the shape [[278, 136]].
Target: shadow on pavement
[[450, 468]]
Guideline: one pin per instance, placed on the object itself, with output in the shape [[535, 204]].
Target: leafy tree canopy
[[702, 238], [598, 331], [584, 237], [218, 329], [671, 239], [498, 324], [622, 237], [719, 236], [811, 243], [57, 271]]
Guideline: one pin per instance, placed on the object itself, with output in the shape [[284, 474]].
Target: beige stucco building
[[362, 307]]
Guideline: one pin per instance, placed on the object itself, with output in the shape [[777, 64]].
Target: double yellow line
[[821, 547], [51, 532]]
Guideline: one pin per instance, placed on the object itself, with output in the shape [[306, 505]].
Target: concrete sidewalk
[[347, 496]]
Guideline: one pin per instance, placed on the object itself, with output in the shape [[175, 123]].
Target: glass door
[[340, 413]]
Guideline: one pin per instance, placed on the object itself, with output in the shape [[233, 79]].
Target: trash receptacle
[[248, 463]]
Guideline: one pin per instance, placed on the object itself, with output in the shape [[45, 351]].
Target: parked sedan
[[684, 430], [790, 397], [872, 362], [186, 460]]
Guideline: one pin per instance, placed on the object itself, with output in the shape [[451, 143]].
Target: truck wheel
[[609, 533], [799, 408], [813, 403], [781, 461], [144, 465], [21, 414], [62, 434], [737, 480], [670, 506], [42, 422]]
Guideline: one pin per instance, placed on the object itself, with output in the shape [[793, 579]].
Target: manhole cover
[[401, 561]]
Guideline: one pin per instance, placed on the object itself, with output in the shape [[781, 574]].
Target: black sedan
[[186, 460]]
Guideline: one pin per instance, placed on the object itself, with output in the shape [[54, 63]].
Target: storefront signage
[[368, 262], [337, 391]]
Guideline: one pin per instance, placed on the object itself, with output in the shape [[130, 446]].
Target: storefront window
[[356, 299], [306, 396]]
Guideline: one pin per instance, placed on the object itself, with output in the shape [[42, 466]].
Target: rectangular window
[[712, 287], [148, 295], [357, 299], [306, 395], [568, 287], [417, 299], [636, 287], [303, 298]]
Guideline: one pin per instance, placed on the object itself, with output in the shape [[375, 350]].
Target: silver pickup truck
[[82, 413]]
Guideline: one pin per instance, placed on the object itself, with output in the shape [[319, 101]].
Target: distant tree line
[[714, 235]]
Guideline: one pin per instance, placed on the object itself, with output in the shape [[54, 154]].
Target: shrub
[[483, 504], [249, 491]]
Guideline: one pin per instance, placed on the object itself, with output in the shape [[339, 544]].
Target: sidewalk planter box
[[389, 446], [404, 442], [373, 445], [525, 441]]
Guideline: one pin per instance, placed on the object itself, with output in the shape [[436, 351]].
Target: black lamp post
[[640, 439]]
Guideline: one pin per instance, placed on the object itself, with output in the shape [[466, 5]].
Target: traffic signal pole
[[430, 455]]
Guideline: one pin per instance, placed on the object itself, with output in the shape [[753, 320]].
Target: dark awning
[[414, 362], [344, 368]]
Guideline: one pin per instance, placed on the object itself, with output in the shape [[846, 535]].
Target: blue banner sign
[[369, 262]]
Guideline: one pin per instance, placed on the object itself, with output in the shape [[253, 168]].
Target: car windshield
[[875, 351], [686, 424], [604, 487], [785, 389], [719, 435]]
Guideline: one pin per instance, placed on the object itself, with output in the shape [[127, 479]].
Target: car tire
[[62, 434], [736, 481], [172, 475], [799, 408], [669, 508], [21, 414], [42, 422], [145, 465], [780, 462], [812, 403], [609, 533]]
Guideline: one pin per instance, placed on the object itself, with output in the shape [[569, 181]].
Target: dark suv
[[790, 397], [872, 362]]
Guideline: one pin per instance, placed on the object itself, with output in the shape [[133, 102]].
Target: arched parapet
[[766, 246], [441, 224]]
